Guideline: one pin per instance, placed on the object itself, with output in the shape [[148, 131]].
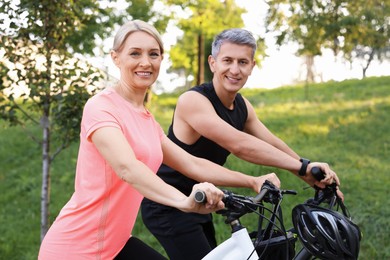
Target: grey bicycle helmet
[[325, 233]]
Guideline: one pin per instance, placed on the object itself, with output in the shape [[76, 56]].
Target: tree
[[205, 19], [348, 26], [371, 38], [312, 24], [55, 86], [147, 10], [42, 80]]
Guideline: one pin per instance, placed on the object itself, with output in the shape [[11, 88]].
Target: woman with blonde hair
[[121, 149]]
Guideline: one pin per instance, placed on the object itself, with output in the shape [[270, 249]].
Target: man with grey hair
[[212, 121]]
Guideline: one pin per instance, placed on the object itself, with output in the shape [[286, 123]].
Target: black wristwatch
[[305, 163]]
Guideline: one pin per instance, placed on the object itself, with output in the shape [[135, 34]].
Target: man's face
[[232, 66]]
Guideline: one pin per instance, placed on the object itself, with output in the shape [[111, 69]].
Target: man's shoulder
[[205, 89]]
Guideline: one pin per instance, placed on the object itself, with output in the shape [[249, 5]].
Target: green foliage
[[370, 37], [359, 29], [206, 19], [344, 123], [20, 185], [42, 82], [42, 85], [142, 9], [60, 24]]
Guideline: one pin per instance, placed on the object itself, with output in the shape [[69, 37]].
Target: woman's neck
[[130, 95]]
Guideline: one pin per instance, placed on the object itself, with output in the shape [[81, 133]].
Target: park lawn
[[343, 123]]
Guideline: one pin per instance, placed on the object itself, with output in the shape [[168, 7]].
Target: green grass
[[346, 124]]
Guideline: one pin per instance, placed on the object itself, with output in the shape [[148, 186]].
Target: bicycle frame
[[240, 245]]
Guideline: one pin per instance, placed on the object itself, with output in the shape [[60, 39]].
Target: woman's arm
[[114, 147], [204, 170]]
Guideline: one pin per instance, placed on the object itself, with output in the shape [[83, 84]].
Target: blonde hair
[[133, 26]]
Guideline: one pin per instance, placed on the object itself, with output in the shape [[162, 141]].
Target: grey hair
[[133, 26], [236, 36]]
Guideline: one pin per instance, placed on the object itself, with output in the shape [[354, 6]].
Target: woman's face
[[139, 60]]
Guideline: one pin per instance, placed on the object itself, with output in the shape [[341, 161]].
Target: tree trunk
[[309, 68], [370, 58], [200, 78], [45, 192], [309, 60]]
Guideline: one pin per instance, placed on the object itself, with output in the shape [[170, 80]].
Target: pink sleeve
[[161, 132], [97, 115], [159, 129]]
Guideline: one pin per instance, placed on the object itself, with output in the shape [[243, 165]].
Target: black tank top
[[204, 147]]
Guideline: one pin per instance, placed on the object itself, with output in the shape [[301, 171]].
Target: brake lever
[[329, 196]]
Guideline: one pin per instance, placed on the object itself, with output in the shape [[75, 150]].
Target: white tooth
[[143, 73]]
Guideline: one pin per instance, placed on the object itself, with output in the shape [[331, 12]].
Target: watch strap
[[305, 163]]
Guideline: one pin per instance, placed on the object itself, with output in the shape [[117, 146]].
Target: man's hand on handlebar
[[329, 176]]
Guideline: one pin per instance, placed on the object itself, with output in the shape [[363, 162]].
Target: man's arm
[[255, 127], [195, 116]]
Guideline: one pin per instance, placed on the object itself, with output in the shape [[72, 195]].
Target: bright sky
[[281, 67]]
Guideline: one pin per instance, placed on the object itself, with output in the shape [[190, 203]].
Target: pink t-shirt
[[98, 219]]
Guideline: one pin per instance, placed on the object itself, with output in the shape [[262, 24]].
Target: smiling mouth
[[233, 79], [143, 74]]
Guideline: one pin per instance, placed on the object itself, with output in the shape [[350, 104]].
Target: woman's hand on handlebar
[[259, 181], [213, 198]]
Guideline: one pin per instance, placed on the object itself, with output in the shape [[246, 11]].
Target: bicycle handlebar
[[327, 194], [267, 186], [267, 189], [200, 196], [237, 205], [318, 174]]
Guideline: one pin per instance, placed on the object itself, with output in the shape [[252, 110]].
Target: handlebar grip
[[200, 196], [317, 173], [259, 197], [267, 186]]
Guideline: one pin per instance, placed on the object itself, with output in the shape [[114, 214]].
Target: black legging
[[187, 236], [135, 249], [191, 245]]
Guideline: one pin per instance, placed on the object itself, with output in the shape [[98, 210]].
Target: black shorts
[[183, 235], [135, 249]]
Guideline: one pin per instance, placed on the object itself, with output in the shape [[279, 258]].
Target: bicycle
[[323, 232]]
